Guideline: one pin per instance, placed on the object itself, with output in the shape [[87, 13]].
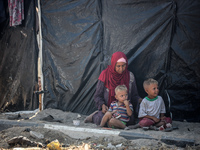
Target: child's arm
[[114, 111], [162, 116], [152, 118], [128, 109], [143, 113]]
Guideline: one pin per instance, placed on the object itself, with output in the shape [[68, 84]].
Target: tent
[[76, 41]]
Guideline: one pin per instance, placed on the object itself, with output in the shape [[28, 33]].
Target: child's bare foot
[[107, 128], [89, 118]]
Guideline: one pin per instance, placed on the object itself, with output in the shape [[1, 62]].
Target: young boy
[[152, 108], [119, 111]]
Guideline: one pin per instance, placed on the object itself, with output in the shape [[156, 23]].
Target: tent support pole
[[40, 73]]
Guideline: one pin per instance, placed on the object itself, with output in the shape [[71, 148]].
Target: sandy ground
[[57, 117]]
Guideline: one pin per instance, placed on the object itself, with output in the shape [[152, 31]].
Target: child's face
[[152, 90], [121, 96]]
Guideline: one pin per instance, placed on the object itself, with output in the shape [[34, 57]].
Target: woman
[[114, 75]]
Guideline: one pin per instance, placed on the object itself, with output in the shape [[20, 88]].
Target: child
[[152, 108], [119, 111]]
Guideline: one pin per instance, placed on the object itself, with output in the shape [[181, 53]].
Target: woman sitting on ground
[[114, 75]]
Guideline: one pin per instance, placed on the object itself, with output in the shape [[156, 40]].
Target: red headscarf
[[112, 79]]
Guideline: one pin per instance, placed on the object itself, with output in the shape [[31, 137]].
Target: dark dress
[[101, 97]]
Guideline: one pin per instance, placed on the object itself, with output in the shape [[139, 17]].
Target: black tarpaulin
[[18, 63], [2, 12], [160, 39], [72, 41], [183, 82]]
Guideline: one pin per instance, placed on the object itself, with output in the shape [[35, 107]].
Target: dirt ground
[[53, 116]]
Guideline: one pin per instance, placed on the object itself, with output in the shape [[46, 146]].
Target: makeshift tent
[[159, 37]]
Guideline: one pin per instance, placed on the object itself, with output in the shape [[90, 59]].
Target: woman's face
[[120, 67]]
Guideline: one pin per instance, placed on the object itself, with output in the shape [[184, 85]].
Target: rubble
[[71, 137]]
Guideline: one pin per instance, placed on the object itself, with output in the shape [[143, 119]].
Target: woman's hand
[[104, 108]]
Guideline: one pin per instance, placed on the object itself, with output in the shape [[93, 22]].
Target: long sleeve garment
[[101, 97]]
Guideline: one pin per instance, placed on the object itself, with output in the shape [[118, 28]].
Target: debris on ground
[[43, 138]]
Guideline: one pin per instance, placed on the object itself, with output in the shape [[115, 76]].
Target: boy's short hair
[[148, 82], [120, 88]]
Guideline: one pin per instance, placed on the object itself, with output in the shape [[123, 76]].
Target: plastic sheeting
[[72, 58], [160, 38], [2, 12], [18, 63]]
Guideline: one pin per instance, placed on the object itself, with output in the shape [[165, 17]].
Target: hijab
[[112, 79]]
